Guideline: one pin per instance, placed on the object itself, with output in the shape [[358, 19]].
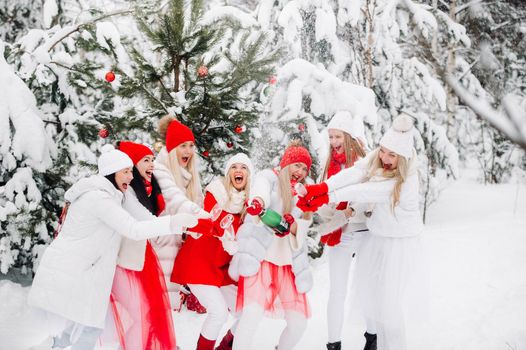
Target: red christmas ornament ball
[[272, 80], [301, 127], [202, 71], [206, 154], [104, 133], [229, 144], [238, 129], [110, 76]]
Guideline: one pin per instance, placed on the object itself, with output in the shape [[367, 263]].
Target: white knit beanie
[[241, 158], [343, 121], [399, 138], [112, 160]]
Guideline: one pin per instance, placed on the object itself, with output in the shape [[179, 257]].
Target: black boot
[[334, 346], [370, 341]]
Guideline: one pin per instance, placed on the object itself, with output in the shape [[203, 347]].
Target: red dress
[[140, 305], [203, 260]]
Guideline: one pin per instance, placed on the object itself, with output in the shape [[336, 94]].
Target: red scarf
[[337, 163], [160, 199], [148, 187]]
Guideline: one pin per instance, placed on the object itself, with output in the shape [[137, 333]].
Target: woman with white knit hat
[[390, 269], [203, 263], [74, 278], [344, 222]]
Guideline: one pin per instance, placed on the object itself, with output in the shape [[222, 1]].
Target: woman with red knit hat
[[272, 267], [176, 170], [209, 257]]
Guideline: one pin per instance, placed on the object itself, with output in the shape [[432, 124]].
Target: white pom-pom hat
[[241, 158], [112, 160], [343, 121], [399, 138]]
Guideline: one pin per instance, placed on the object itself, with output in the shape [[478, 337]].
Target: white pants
[[217, 301], [340, 258], [79, 337], [251, 317]]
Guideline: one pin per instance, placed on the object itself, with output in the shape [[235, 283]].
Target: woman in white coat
[[176, 170], [74, 278], [390, 269]]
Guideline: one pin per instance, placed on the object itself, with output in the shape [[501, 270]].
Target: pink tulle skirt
[[274, 289], [141, 307]]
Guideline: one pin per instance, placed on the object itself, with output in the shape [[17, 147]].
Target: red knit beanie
[[135, 151], [296, 154], [176, 134]]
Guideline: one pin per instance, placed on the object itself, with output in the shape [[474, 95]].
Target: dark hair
[[111, 178], [150, 202]]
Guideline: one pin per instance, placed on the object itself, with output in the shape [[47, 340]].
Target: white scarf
[[237, 198]]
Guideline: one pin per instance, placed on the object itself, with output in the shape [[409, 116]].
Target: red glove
[[255, 207], [333, 238], [204, 227], [290, 220], [317, 202], [316, 190]]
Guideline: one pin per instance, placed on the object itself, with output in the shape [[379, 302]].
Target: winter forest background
[[249, 76]]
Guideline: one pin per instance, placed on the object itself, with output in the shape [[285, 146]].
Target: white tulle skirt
[[392, 280]]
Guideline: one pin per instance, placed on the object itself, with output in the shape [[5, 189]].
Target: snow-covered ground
[[477, 243]]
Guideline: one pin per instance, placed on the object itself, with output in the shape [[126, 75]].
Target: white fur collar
[[237, 198]]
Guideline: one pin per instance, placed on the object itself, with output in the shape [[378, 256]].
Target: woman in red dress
[[203, 263]]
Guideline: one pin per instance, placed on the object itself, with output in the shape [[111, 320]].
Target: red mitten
[[317, 202], [316, 190], [303, 204], [290, 220], [204, 227], [255, 207], [333, 238]]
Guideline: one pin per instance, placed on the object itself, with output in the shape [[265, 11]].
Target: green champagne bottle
[[275, 221]]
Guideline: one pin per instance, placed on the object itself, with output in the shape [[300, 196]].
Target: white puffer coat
[[75, 275], [404, 221], [176, 202]]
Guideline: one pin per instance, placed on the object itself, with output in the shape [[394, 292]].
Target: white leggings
[[217, 301], [79, 337], [250, 319], [340, 258]]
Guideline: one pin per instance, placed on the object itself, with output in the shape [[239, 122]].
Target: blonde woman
[[209, 257], [176, 170], [390, 269], [344, 222], [273, 269]]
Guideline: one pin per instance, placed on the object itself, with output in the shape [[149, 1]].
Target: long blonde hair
[[353, 148], [193, 191], [228, 187], [285, 192], [400, 173]]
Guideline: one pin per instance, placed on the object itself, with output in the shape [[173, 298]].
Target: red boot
[[226, 342], [205, 344]]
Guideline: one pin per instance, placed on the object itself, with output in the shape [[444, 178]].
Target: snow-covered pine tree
[[64, 68], [206, 68]]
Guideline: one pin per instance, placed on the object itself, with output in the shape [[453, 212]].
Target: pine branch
[[82, 25]]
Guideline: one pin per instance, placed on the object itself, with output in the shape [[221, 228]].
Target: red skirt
[[273, 288], [141, 307]]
